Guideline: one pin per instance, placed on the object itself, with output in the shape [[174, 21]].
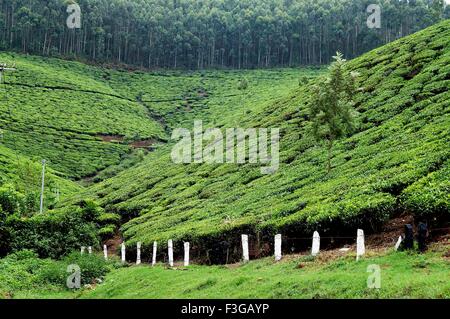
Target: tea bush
[[52, 234]]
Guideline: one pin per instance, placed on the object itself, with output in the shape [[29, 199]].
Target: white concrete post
[[155, 245], [138, 253], [399, 241], [360, 247], [245, 255], [186, 254], [90, 250], [170, 247], [278, 247], [123, 253], [105, 252], [83, 249], [315, 244]]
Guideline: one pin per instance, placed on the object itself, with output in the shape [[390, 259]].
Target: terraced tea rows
[[399, 153], [85, 119], [69, 113]]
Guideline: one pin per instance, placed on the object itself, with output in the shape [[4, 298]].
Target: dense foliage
[[210, 33], [24, 272], [331, 108], [55, 233]]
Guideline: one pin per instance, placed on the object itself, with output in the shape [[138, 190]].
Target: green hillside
[[397, 161], [25, 175], [88, 122], [107, 137], [83, 119]]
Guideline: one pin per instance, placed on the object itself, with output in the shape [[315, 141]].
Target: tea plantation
[[88, 121], [397, 161], [106, 136], [83, 119]]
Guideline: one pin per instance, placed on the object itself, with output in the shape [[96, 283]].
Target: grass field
[[403, 275]]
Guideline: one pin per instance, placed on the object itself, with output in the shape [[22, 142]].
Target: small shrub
[[92, 266], [11, 201], [51, 234], [243, 84], [107, 231]]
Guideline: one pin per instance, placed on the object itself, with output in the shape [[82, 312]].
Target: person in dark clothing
[[422, 234], [408, 241], [218, 255]]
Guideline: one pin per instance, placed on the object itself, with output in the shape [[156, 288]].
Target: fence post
[[90, 250], [138, 253], [245, 248], [186, 254], [170, 247], [399, 241], [105, 252], [155, 244], [315, 244], [360, 247], [82, 249], [278, 247], [123, 252]]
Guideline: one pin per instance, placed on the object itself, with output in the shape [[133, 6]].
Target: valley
[[106, 134]]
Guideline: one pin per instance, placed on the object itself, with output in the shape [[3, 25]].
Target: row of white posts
[[360, 249], [155, 247], [83, 249]]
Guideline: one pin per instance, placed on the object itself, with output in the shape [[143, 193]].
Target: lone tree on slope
[[332, 109]]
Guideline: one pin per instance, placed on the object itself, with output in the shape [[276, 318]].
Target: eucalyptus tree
[[331, 109], [209, 33]]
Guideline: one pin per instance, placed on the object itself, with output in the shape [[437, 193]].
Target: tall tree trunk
[[330, 151]]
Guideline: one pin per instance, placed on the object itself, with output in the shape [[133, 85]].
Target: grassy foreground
[[403, 275]]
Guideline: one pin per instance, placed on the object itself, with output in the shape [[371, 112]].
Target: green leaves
[[52, 234], [429, 197], [331, 106]]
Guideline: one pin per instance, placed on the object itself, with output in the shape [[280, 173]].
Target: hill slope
[[83, 119], [25, 175], [398, 160]]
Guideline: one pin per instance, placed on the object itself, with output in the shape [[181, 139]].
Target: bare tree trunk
[[330, 149]]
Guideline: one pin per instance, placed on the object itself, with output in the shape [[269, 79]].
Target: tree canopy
[[198, 34], [331, 109]]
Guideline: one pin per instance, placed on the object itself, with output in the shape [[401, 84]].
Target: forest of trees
[[198, 34]]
